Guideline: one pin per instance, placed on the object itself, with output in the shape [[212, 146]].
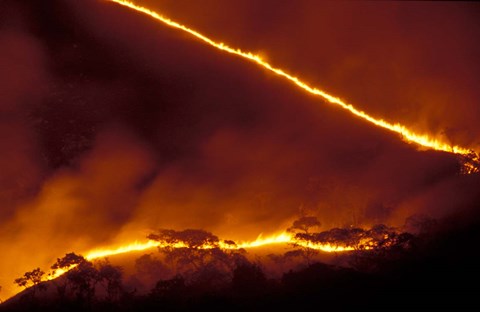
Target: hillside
[[202, 127]]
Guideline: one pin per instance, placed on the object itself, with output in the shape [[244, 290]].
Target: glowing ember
[[408, 135]]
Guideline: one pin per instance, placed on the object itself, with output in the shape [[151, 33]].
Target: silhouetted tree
[[381, 244], [64, 264], [191, 238], [301, 250], [301, 230], [33, 280], [342, 237], [192, 249], [110, 277], [304, 224], [83, 279], [199, 256], [149, 269], [188, 249]]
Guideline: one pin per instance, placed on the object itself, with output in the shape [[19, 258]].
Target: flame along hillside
[[282, 238], [470, 159], [298, 241], [259, 242]]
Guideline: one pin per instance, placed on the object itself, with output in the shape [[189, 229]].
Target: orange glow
[[59, 272], [286, 238], [471, 165], [135, 246], [262, 241], [281, 238], [423, 140], [408, 135]]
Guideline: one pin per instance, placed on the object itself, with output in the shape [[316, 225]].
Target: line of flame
[[407, 135], [282, 238]]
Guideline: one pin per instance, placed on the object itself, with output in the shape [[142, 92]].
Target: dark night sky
[[112, 124]]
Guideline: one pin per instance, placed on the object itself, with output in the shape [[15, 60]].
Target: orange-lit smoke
[[407, 134], [72, 205], [104, 199]]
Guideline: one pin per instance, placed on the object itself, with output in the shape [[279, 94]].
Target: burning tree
[[62, 265], [81, 277], [301, 230], [470, 163], [367, 246], [199, 255], [188, 249]]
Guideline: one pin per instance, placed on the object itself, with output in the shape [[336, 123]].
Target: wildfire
[[408, 135], [336, 245], [59, 272], [287, 238], [135, 246], [282, 238]]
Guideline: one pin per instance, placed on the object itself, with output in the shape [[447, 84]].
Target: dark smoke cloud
[[113, 125], [24, 78]]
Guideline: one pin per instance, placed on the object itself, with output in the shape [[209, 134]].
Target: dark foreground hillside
[[436, 273]]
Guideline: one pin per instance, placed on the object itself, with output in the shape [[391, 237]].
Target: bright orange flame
[[59, 272], [408, 135], [135, 246], [286, 238], [281, 238]]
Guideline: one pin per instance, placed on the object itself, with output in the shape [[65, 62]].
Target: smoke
[[22, 63], [116, 125], [22, 58]]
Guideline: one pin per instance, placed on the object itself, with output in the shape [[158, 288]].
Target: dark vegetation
[[423, 266]]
